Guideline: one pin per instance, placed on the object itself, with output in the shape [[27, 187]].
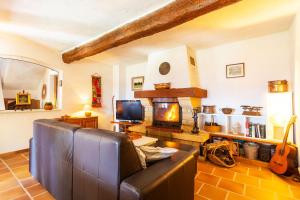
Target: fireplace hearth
[[167, 114]]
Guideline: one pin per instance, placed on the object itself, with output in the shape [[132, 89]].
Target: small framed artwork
[[137, 83], [235, 70], [23, 99]]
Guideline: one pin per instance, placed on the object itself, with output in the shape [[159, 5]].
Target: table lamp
[[87, 108]]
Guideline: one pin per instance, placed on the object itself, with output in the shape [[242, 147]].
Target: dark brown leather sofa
[[95, 164]]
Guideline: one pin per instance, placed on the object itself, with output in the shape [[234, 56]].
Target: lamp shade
[[87, 107]]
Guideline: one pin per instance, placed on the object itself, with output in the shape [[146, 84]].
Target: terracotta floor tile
[[282, 197], [198, 197], [207, 178], [248, 165], [18, 164], [295, 192], [251, 163], [205, 167], [2, 165], [36, 190], [12, 193], [285, 180], [276, 186], [232, 186], [245, 179], [23, 197], [23, 168], [28, 182], [22, 172], [249, 174], [240, 169], [16, 159], [26, 154], [3, 171], [44, 196], [225, 173], [212, 192], [7, 184], [197, 186], [9, 156], [260, 174], [259, 194], [234, 196], [6, 176]]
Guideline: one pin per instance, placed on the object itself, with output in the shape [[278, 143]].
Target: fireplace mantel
[[171, 93]]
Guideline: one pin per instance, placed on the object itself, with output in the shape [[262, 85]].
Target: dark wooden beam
[[169, 16]]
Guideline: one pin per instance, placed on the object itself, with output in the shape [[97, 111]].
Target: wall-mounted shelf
[[242, 137], [231, 122]]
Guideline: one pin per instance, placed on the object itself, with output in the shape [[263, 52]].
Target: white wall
[[295, 44], [2, 106], [179, 75], [16, 128], [132, 71], [266, 58]]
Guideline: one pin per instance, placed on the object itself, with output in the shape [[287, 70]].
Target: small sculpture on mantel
[[195, 129]]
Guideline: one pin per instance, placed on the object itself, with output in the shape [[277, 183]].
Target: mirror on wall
[[27, 85]]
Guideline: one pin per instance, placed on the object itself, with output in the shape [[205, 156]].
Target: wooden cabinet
[[84, 122]]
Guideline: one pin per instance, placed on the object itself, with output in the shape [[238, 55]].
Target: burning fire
[[171, 114]]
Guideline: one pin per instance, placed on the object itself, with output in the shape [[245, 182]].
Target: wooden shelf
[[170, 93], [242, 137], [233, 115]]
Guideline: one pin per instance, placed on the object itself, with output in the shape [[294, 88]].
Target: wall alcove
[[38, 82]]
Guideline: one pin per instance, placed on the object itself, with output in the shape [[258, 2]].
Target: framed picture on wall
[[137, 83], [235, 70], [23, 98]]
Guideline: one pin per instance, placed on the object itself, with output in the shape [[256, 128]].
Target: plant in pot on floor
[[48, 106]]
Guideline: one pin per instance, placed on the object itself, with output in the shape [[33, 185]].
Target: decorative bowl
[[213, 128], [160, 86], [208, 109], [227, 110]]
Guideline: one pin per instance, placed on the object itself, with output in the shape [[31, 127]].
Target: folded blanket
[[150, 154]]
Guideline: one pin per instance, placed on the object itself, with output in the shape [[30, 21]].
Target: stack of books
[[255, 130]]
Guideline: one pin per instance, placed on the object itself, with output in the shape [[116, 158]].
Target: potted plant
[[48, 106]]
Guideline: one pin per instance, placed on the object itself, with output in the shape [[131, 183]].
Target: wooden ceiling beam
[[169, 16]]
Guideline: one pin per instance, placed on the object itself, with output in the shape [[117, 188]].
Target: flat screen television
[[131, 110]]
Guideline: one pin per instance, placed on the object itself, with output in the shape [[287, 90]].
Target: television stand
[[126, 124]]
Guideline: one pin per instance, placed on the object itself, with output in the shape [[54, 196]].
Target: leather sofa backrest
[[52, 156], [102, 159]]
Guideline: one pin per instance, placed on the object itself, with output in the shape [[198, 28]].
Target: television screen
[[129, 110]]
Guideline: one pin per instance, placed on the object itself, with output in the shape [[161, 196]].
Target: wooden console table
[[126, 125], [84, 122]]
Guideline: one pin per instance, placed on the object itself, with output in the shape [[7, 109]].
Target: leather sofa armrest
[[169, 179]]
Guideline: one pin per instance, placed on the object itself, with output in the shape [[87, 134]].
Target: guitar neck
[[287, 130]]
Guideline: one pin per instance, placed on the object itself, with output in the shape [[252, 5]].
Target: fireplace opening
[[167, 115]]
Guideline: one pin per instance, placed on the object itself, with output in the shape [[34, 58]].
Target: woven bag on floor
[[220, 153]]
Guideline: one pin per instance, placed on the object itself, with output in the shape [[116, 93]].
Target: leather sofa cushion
[[168, 179], [102, 159], [52, 156]]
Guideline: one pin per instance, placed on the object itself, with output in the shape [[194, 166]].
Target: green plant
[[48, 104]]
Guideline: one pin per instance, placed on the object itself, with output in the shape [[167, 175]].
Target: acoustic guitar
[[283, 161]]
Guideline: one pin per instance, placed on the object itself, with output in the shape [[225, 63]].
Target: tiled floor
[[16, 182], [248, 180]]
